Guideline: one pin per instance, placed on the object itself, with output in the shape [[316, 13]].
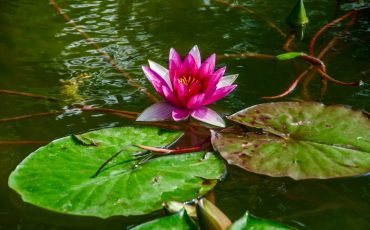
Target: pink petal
[[174, 71], [157, 112], [171, 97], [207, 68], [174, 62], [180, 114], [156, 80], [181, 91], [219, 93], [188, 67], [161, 71], [195, 101], [196, 55], [213, 80], [227, 80], [209, 116]]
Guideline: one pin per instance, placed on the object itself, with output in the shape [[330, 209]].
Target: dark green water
[[39, 49]]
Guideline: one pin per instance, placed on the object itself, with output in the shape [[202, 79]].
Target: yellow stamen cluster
[[187, 80]]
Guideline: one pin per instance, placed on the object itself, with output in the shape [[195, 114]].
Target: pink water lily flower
[[187, 87]]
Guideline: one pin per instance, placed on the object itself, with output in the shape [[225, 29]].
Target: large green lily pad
[[58, 176], [300, 140]]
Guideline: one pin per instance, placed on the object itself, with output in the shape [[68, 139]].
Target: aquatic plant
[[187, 87]]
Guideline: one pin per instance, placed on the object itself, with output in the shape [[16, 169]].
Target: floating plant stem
[[319, 67], [317, 62], [289, 90], [325, 27], [11, 92], [23, 117], [122, 113], [324, 87], [326, 76], [110, 59], [288, 43]]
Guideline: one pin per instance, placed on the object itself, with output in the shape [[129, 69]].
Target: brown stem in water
[[327, 26], [322, 53], [289, 90], [11, 92], [110, 59], [324, 87], [288, 43], [326, 76], [249, 11], [122, 113], [24, 117], [316, 62]]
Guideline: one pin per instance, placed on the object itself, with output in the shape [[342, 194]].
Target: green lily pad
[[248, 222], [300, 140], [59, 176], [177, 221]]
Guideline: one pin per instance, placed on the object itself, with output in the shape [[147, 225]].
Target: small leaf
[[210, 217], [287, 56], [58, 176], [298, 17], [248, 222], [178, 221], [300, 139]]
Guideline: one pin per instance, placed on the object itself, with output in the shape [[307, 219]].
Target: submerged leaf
[[300, 140], [58, 176]]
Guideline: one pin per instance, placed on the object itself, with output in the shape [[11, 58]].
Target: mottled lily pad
[[60, 175], [300, 140]]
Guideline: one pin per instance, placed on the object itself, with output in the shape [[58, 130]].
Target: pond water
[[44, 53]]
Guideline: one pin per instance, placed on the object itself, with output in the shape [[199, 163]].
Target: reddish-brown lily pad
[[299, 139]]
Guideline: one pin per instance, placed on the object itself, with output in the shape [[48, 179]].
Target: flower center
[[188, 80]]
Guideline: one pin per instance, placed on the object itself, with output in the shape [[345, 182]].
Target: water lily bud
[[298, 17], [210, 217]]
